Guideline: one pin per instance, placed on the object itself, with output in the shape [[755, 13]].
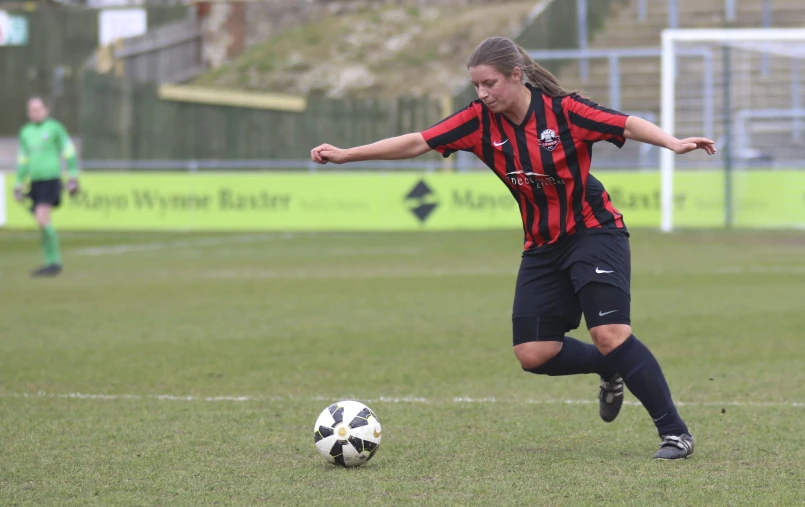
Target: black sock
[[575, 357], [643, 376]]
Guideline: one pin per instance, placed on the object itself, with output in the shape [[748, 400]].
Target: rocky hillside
[[382, 49]]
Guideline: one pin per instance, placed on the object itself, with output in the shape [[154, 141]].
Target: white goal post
[[2, 199], [741, 68]]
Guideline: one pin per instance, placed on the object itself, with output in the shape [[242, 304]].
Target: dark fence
[[60, 40], [128, 121], [171, 53]]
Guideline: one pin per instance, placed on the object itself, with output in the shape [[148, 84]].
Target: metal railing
[[730, 11], [743, 138], [614, 57], [730, 14]]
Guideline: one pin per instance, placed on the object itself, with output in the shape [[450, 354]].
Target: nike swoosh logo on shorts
[[601, 271], [602, 313]]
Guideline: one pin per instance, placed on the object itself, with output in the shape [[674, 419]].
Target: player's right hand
[[328, 153], [72, 186], [19, 193]]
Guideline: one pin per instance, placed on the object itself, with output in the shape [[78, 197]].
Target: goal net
[[745, 90]]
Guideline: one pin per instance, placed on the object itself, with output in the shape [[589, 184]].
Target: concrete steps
[[640, 77]]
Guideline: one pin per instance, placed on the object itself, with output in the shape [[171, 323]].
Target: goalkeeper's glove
[[19, 193], [72, 186]]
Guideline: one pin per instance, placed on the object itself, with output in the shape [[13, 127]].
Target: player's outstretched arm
[[393, 148], [643, 131], [22, 169], [70, 155]]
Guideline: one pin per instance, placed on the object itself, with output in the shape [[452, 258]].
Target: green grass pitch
[[188, 369]]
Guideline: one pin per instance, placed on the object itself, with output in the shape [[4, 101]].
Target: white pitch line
[[381, 399], [392, 271], [125, 248], [734, 270], [148, 247], [351, 274], [225, 240]]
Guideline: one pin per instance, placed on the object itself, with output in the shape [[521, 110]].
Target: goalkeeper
[[43, 142]]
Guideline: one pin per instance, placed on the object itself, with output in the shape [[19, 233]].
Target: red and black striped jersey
[[544, 161]]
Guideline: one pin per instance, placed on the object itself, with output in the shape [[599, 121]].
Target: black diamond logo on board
[[421, 200]]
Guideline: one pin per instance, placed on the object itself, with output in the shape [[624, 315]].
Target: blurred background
[[253, 85]]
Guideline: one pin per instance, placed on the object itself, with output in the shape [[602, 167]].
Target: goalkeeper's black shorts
[[46, 192]]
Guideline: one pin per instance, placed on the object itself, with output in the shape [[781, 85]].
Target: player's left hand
[[19, 193], [695, 143], [72, 186], [325, 153]]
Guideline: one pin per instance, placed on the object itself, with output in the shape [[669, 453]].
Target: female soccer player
[[43, 143], [538, 138]]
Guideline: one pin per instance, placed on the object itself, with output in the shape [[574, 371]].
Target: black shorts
[[588, 272], [46, 192]]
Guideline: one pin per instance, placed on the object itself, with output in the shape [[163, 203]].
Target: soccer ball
[[347, 433]]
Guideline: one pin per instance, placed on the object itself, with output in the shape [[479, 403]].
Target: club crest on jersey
[[548, 139]]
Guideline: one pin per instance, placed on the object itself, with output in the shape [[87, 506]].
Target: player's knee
[[42, 215], [610, 336], [534, 354]]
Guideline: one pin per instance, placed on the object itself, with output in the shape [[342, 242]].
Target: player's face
[[37, 111], [497, 91]]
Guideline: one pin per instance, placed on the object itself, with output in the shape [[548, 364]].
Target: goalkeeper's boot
[[50, 270]]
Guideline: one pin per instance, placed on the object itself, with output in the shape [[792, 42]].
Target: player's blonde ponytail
[[504, 55], [541, 77]]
